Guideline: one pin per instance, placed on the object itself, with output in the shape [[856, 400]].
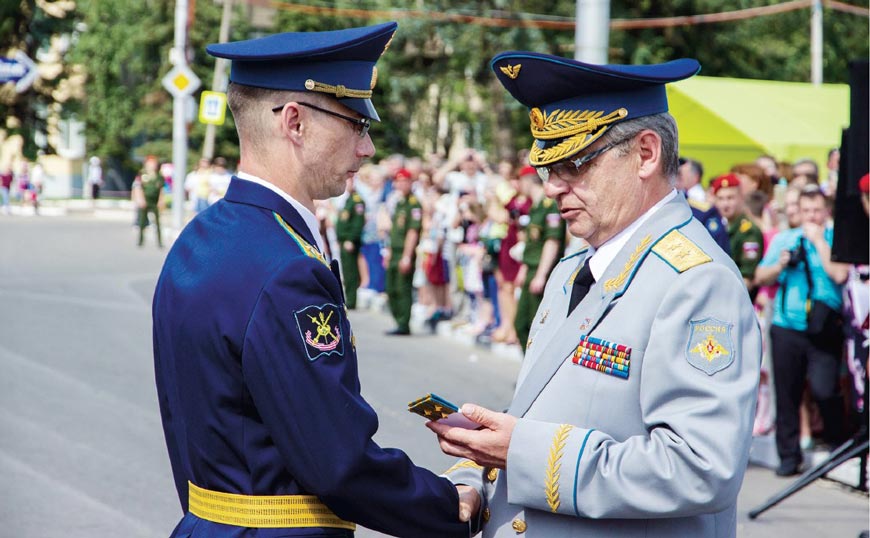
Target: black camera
[[797, 255]]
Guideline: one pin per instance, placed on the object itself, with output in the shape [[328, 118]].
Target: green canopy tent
[[727, 121]]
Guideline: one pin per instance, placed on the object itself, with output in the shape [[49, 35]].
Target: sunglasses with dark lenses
[[572, 168], [361, 125]]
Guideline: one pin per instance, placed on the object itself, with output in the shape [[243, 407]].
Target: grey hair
[[662, 124]]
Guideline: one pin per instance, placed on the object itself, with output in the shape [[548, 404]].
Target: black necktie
[[582, 282]]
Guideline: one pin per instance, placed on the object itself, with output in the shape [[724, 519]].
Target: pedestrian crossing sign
[[213, 108]]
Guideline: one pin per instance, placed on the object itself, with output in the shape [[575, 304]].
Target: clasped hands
[[486, 446]]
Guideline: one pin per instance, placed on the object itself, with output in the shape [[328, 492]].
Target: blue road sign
[[19, 69]]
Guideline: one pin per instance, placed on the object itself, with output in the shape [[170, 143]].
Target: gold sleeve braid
[[554, 465]]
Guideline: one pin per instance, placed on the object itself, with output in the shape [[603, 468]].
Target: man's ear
[[291, 122], [649, 145]]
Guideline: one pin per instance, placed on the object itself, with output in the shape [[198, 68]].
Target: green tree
[[37, 31], [125, 49], [772, 47]]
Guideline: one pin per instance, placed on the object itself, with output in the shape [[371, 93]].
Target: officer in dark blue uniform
[[702, 210], [255, 358]]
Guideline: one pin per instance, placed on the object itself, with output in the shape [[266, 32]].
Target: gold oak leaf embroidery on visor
[[579, 128]]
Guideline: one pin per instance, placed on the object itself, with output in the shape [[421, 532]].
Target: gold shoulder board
[[680, 252]]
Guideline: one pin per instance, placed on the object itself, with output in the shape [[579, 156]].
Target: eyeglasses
[[571, 168], [361, 125]]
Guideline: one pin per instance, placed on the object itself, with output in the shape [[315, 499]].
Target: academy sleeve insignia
[[320, 330], [745, 225], [710, 348]]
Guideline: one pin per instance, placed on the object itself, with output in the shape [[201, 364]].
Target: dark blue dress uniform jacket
[[248, 406]]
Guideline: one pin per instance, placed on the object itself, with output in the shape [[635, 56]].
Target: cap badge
[[512, 71]]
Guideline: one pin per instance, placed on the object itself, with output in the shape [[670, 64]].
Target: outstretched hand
[[487, 446]]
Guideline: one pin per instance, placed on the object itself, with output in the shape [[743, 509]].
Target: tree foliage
[[125, 48], [29, 28]]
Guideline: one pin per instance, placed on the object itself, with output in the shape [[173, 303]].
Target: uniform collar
[[601, 258], [308, 217]]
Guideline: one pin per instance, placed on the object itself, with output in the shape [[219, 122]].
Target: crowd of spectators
[[478, 224]]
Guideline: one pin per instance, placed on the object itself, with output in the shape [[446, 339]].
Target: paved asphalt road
[[81, 448]]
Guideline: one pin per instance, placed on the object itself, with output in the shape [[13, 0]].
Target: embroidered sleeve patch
[[320, 329], [710, 348]]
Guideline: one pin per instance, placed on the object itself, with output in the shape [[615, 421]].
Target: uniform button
[[486, 514], [519, 525], [492, 474]]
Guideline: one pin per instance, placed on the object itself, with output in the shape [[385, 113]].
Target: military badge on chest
[[710, 348], [603, 356], [320, 329]]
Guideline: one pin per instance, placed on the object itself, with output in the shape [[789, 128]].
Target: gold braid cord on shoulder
[[554, 465], [579, 128], [340, 91]]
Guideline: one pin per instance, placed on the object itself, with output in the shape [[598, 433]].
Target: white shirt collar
[[600, 258], [309, 218]]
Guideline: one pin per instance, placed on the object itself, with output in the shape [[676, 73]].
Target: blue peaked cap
[[338, 62], [572, 104]]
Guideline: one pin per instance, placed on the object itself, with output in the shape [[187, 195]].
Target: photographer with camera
[[807, 329]]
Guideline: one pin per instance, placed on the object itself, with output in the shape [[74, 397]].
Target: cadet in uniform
[[747, 241], [634, 406], [544, 235], [348, 231], [255, 359], [401, 258]]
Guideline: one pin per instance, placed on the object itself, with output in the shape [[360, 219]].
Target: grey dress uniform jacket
[[636, 409]]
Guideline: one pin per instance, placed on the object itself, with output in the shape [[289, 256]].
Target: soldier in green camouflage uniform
[[544, 234], [745, 237], [149, 197], [348, 231], [404, 236]]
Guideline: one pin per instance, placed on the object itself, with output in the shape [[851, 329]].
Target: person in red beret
[[745, 237]]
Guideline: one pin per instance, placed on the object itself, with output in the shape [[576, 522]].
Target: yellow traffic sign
[[180, 81], [213, 108]]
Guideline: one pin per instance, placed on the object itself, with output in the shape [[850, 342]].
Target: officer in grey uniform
[[634, 406]]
